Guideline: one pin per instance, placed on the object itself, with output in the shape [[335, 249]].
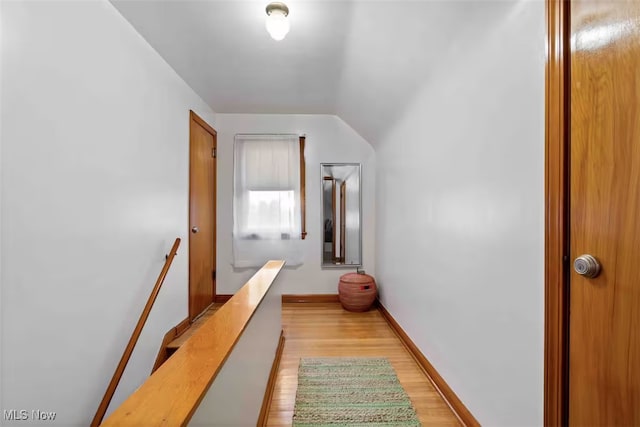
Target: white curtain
[[266, 200]]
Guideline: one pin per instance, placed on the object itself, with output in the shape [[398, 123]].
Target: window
[[271, 212], [268, 203]]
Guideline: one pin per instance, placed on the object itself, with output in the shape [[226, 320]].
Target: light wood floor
[[318, 330]]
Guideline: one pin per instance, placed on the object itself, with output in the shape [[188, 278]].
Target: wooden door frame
[[194, 118], [557, 139], [343, 221]]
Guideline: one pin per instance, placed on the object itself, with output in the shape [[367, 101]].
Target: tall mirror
[[341, 215]]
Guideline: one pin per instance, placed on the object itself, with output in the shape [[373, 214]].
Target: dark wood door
[[202, 216], [604, 317]]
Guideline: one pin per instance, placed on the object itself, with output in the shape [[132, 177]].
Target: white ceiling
[[361, 60]]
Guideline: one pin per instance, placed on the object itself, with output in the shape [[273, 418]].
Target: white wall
[[94, 187], [2, 25], [459, 216], [329, 140]]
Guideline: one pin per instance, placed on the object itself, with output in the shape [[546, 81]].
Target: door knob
[[587, 266], [194, 229]]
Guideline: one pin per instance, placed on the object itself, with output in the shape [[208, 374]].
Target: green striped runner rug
[[351, 392]]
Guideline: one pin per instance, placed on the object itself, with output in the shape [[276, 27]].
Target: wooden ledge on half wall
[[171, 395]]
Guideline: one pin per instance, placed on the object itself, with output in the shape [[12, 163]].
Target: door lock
[[587, 266]]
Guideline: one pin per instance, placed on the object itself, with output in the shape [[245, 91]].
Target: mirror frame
[[359, 171]]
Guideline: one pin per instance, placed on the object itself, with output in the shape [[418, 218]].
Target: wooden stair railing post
[[111, 389]]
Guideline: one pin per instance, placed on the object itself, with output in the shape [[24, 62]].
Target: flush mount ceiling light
[[277, 23]]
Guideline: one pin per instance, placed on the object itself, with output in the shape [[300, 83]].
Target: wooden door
[[604, 316], [202, 216]]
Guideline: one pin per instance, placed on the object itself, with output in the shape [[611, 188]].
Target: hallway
[[442, 106], [314, 330]]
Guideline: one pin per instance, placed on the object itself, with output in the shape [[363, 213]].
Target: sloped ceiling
[[360, 60]]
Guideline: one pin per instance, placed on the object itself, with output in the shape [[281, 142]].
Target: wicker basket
[[357, 292]]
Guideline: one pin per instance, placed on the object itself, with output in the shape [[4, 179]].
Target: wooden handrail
[[117, 375], [171, 395]]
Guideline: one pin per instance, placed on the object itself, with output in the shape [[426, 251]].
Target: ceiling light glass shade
[[277, 24]]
